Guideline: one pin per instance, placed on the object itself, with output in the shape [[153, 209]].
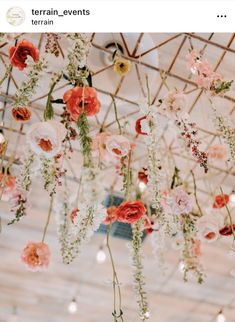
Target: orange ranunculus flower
[[74, 101], [111, 215], [130, 211], [21, 114], [20, 52], [36, 256]]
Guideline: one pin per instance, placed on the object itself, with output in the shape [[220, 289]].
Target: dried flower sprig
[[190, 259], [85, 139], [139, 281], [19, 201], [126, 172], [28, 87], [63, 223], [49, 111], [76, 68], [221, 87], [89, 214], [51, 173], [117, 315], [188, 132], [154, 166], [7, 73], [52, 45], [227, 133]]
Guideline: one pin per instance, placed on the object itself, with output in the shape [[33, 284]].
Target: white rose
[[208, 227], [45, 138]]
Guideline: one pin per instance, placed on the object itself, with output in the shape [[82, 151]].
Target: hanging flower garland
[[167, 208]]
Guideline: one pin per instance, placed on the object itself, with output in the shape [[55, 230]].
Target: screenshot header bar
[[116, 16]]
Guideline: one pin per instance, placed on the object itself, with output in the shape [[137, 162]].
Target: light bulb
[[142, 186], [2, 139], [193, 70], [232, 272], [181, 266], [221, 317], [232, 198], [146, 315], [14, 318], [72, 307], [100, 256]]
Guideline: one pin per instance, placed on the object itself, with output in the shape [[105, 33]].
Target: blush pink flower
[[36, 256], [7, 186], [217, 152], [99, 147], [193, 60], [174, 105], [17, 196], [177, 201], [181, 201], [197, 247], [118, 145]]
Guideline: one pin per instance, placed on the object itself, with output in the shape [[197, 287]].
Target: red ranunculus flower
[[148, 226], [138, 125], [111, 215], [130, 211], [227, 230], [74, 101], [143, 176], [73, 214], [220, 201], [20, 52]]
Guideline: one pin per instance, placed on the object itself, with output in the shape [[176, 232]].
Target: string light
[[72, 307], [142, 186], [220, 317], [14, 316], [2, 139], [232, 198], [100, 256], [146, 315], [181, 266]]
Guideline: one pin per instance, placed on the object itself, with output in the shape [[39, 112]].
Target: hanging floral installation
[[157, 199]]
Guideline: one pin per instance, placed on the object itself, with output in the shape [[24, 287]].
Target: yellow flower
[[122, 66]]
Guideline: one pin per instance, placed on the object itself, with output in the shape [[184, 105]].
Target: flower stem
[[115, 281], [49, 112], [128, 181], [195, 193], [116, 116], [48, 218]]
